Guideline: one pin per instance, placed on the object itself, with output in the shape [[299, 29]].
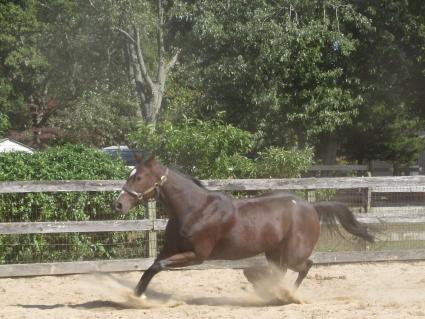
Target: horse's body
[[209, 225]]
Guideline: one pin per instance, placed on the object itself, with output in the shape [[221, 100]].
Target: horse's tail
[[331, 212]]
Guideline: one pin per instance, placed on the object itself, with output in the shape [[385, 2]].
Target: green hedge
[[70, 162], [61, 163]]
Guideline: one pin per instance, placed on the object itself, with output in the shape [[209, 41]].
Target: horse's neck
[[181, 195]]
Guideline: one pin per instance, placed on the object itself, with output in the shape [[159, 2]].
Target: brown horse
[[205, 225]]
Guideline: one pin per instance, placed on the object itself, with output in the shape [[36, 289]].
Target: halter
[[140, 196]]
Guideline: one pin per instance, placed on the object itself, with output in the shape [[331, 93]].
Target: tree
[[23, 98], [54, 55], [386, 133], [279, 68], [4, 124], [390, 66], [98, 119], [150, 34], [86, 57]]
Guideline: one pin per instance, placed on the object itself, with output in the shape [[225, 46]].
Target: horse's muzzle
[[117, 206]]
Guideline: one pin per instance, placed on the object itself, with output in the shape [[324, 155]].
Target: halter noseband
[[140, 196]]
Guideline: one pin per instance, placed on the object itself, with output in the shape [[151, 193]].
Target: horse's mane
[[193, 179], [197, 182]]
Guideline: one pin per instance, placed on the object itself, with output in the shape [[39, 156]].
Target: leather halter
[[140, 196]]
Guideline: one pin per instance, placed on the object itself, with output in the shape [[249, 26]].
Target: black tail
[[331, 212]]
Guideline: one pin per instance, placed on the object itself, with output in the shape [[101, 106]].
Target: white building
[[8, 145]]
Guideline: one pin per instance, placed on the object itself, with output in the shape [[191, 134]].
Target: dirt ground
[[375, 290]]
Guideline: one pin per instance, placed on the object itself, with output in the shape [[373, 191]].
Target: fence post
[[311, 195], [366, 199], [152, 240]]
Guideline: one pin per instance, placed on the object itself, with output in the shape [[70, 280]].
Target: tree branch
[[141, 60], [173, 61], [160, 33], [92, 4], [128, 35]]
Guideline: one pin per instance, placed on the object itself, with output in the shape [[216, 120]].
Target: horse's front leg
[[178, 260]]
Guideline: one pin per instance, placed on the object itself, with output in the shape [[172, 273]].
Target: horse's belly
[[239, 247], [232, 252]]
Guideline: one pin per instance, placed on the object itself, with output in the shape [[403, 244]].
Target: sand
[[374, 290]]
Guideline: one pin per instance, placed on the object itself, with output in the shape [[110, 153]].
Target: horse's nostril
[[118, 206]]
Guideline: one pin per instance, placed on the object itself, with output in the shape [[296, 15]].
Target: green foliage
[[213, 149], [200, 148], [299, 72], [21, 61], [182, 95], [4, 124], [277, 162], [56, 55], [70, 162], [386, 133], [390, 66], [61, 163], [279, 68], [70, 247], [293, 72], [98, 118]]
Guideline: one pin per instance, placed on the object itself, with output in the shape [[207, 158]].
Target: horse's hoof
[[143, 296]]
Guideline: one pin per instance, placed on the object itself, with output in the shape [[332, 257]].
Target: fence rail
[[121, 265], [412, 214], [413, 183]]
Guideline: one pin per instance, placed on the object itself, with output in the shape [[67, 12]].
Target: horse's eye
[[138, 178]]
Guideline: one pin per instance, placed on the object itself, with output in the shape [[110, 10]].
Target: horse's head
[[140, 185]]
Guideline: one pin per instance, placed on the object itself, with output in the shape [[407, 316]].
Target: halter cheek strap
[[140, 196]]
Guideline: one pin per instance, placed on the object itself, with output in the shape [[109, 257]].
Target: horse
[[206, 225]]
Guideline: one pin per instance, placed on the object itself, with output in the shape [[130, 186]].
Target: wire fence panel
[[44, 207], [38, 248]]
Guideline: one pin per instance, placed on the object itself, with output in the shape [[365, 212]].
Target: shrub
[[71, 162], [277, 162], [203, 149], [59, 163], [212, 149]]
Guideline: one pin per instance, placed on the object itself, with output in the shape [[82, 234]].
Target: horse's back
[[263, 223]]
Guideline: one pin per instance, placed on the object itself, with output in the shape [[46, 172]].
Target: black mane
[[193, 179], [197, 182]]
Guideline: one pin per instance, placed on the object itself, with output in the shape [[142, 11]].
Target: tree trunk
[[329, 154], [153, 107], [150, 89]]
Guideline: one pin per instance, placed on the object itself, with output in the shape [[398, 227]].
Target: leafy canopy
[[213, 149]]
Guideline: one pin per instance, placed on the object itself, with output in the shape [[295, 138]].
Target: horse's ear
[[150, 158], [138, 158]]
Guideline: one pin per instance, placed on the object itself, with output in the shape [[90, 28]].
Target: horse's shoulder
[[218, 197]]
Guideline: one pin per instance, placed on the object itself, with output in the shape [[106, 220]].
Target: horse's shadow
[[95, 304], [203, 301], [156, 299], [236, 302]]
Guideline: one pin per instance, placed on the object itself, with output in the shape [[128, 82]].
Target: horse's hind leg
[[277, 262], [275, 270], [303, 271], [280, 262], [257, 274], [265, 279], [262, 279]]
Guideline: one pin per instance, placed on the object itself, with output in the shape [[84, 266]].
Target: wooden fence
[[370, 215]]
